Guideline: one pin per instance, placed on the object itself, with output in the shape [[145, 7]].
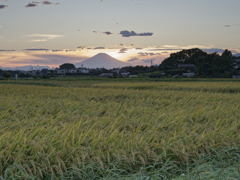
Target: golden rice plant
[[49, 129]]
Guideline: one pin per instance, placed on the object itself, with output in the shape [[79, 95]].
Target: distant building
[[190, 74], [237, 66], [44, 71], [183, 66], [83, 70], [236, 76], [72, 71], [60, 71], [106, 74], [125, 74], [133, 76]]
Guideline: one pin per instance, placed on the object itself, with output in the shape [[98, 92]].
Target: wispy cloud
[[99, 48], [35, 3], [123, 50], [43, 37], [36, 49], [106, 33], [148, 54], [137, 60], [121, 44], [132, 33], [133, 59], [2, 50]]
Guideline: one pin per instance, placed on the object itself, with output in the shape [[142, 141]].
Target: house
[[183, 66], [72, 71], [83, 70], [125, 74], [33, 72], [133, 76], [44, 71], [236, 76], [60, 71], [106, 74], [237, 66], [189, 74]]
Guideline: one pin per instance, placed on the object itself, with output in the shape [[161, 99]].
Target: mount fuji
[[102, 60]]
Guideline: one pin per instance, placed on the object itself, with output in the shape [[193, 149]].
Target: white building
[[83, 70], [190, 74]]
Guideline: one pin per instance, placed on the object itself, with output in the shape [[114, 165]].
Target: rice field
[[77, 129]]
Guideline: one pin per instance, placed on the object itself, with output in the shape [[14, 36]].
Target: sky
[[135, 31]]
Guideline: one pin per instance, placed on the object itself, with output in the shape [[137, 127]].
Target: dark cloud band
[[34, 3], [3, 6], [36, 49], [3, 50], [99, 48], [132, 33]]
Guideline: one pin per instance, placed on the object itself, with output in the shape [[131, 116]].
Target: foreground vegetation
[[164, 130]]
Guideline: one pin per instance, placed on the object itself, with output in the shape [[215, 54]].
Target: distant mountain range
[[236, 54], [26, 68], [102, 60]]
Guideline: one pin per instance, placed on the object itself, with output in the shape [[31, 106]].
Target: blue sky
[[160, 27]]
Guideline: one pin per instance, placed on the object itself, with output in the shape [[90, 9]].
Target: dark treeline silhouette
[[202, 63]]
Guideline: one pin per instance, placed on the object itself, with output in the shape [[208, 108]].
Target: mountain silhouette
[[102, 60]]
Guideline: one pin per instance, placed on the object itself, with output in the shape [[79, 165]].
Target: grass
[[119, 130]]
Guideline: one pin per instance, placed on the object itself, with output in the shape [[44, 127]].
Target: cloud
[[36, 49], [227, 26], [138, 48], [132, 33], [34, 3], [164, 49], [49, 59], [147, 60], [47, 2], [2, 50], [133, 59], [43, 37], [148, 54], [127, 44], [137, 60], [57, 50], [31, 5], [213, 50], [123, 50], [70, 50], [3, 6], [119, 44], [81, 47], [107, 32], [99, 48]]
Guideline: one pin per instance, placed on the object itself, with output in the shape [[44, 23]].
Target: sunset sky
[[135, 31]]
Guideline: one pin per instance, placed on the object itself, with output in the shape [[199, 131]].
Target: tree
[[188, 56], [46, 76], [67, 66], [6, 74]]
